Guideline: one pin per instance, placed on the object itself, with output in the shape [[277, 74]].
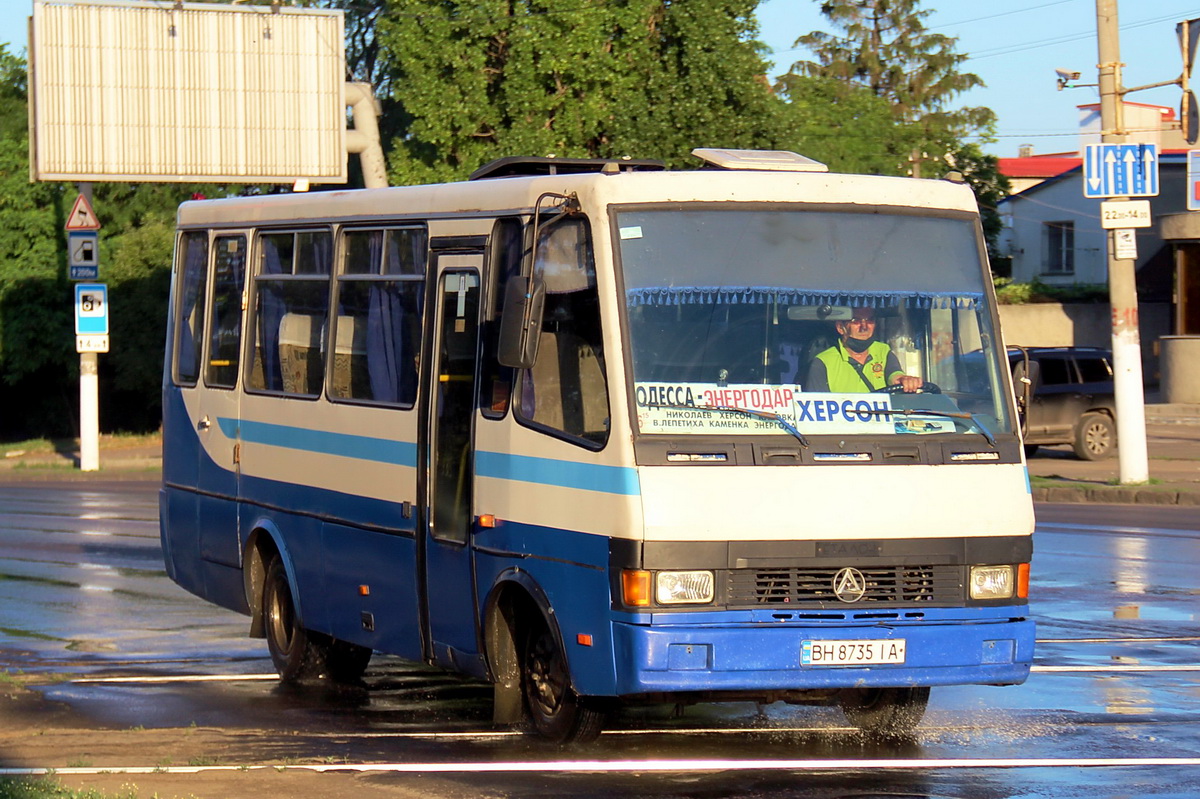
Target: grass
[[49, 446], [50, 788]]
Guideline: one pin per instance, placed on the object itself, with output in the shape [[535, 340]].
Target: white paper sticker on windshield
[[631, 232], [707, 408]]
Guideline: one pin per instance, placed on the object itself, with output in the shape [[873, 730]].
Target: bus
[[555, 427]]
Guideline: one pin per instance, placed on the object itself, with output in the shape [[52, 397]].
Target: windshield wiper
[[991, 439], [767, 415]]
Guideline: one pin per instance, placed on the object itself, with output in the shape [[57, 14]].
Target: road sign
[[91, 309], [1193, 180], [1120, 170], [82, 217], [83, 254], [91, 343], [1124, 213], [1125, 244]]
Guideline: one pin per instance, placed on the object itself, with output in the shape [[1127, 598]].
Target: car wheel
[[1095, 437], [1031, 450], [887, 712]]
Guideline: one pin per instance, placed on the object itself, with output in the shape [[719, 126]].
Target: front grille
[[896, 585]]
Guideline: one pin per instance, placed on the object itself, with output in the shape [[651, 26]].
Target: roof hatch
[[770, 160]]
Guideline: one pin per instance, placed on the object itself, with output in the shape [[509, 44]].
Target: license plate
[[852, 653]]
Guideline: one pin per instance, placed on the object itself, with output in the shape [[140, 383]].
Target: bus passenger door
[[218, 405], [447, 570]]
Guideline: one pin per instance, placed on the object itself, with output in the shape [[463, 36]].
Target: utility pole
[[1133, 463]]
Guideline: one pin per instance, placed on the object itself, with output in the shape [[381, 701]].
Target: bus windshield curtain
[[762, 295]]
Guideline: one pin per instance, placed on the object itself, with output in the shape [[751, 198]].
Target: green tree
[[847, 127], [585, 78], [38, 363], [884, 46], [982, 172]]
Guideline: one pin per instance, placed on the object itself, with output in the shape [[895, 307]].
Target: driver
[[857, 362]]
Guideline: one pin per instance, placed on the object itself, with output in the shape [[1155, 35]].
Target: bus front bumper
[[976, 646]]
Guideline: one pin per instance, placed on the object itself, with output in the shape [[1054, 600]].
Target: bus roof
[[518, 194]]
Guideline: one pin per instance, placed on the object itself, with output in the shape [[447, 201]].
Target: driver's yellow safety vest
[[843, 374]]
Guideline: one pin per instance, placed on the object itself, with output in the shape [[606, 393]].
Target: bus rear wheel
[[887, 712], [557, 712], [295, 656]]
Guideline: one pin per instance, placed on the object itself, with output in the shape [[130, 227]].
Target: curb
[[1115, 496]]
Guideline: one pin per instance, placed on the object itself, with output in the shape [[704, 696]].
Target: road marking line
[[1122, 669], [639, 766], [1183, 639], [176, 678]]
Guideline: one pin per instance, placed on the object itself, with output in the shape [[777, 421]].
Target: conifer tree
[[884, 46]]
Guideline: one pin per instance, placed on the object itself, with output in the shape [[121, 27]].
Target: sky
[[1014, 45]]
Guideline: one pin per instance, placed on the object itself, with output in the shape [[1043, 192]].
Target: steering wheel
[[896, 388]]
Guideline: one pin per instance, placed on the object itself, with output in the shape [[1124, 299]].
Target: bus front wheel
[[557, 712], [295, 656], [885, 711]]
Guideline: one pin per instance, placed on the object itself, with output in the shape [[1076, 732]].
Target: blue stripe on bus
[[564, 474], [522, 468], [366, 448]]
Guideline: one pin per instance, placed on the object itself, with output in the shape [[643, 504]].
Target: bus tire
[[557, 713], [295, 656], [346, 662], [889, 712]]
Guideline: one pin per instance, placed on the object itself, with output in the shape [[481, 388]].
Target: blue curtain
[[271, 309], [760, 295]]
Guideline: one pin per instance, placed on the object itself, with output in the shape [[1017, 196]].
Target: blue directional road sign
[[91, 309], [1120, 170]]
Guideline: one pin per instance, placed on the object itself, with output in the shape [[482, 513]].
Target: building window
[[1060, 248]]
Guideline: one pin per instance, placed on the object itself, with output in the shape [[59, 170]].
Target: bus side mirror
[[521, 322]]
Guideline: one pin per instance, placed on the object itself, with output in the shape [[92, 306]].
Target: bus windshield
[[738, 322]]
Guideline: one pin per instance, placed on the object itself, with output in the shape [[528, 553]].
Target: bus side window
[[189, 315], [225, 325], [507, 248], [381, 287], [566, 389], [291, 304]]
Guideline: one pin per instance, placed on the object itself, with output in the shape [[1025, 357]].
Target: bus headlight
[[684, 588], [992, 582]]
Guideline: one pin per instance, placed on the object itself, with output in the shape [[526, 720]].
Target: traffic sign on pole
[[1193, 180], [91, 309], [83, 254], [1120, 170], [82, 217]]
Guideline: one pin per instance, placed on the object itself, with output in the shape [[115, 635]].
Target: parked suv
[[1068, 399]]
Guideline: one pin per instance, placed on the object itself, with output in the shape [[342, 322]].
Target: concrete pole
[[1133, 463], [89, 395], [89, 412]]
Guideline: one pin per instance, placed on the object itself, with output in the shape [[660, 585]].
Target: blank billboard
[[186, 92]]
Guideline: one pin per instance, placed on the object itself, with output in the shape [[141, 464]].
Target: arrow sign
[[1120, 170]]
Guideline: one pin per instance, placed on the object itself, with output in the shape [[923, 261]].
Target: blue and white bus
[[553, 427]]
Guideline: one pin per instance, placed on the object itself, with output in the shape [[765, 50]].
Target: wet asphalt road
[[82, 592]]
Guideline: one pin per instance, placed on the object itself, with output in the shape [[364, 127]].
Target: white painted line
[[1108, 529], [175, 678], [640, 766], [1113, 669], [1181, 639]]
